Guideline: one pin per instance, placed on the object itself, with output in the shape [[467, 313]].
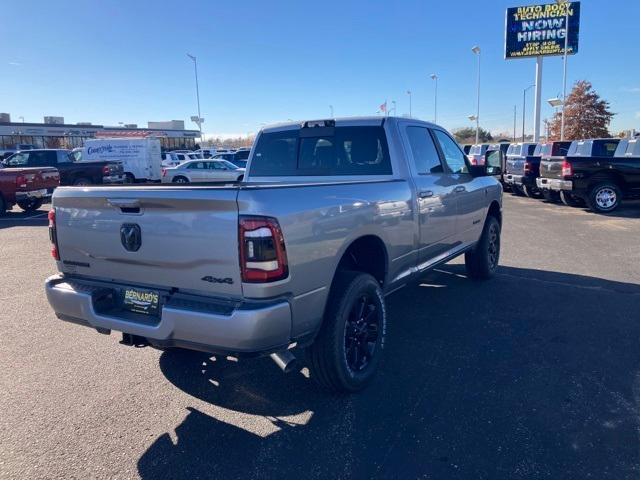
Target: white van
[[140, 157]]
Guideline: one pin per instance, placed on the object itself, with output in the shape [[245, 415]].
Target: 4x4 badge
[[210, 279]]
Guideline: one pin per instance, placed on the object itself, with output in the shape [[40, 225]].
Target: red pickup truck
[[28, 187]]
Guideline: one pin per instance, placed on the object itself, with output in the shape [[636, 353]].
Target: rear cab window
[[322, 151]]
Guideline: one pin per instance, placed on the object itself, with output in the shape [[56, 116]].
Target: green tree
[[468, 135], [586, 115]]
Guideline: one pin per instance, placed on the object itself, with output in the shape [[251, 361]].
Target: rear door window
[[453, 156], [424, 152], [326, 151]]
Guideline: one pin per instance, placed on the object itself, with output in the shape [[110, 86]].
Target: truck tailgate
[[188, 237], [37, 178], [551, 167]]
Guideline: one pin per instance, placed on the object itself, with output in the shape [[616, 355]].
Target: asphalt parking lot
[[534, 374]]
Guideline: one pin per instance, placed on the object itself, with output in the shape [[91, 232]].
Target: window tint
[[604, 149], [18, 160], [242, 155], [41, 159], [197, 166], [453, 156], [425, 154], [334, 151]]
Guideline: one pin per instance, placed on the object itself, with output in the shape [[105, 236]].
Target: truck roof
[[370, 120]]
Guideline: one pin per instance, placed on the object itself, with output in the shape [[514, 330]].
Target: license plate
[[145, 302]]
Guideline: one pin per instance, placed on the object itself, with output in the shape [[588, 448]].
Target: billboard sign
[[539, 30]]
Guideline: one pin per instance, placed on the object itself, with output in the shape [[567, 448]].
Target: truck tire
[[551, 196], [482, 261], [180, 179], [604, 197], [129, 178], [346, 354], [32, 205], [531, 191], [516, 190], [570, 200], [3, 207], [81, 182]]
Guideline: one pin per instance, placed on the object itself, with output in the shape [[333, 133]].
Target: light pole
[[21, 119], [566, 4], [395, 111], [434, 77], [331, 110], [195, 66], [476, 50], [524, 108], [515, 114], [409, 93]]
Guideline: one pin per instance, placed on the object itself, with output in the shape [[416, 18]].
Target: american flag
[[383, 107]]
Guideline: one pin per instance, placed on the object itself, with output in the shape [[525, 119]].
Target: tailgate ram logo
[[131, 236]]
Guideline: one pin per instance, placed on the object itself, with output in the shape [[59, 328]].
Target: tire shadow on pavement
[[532, 374]]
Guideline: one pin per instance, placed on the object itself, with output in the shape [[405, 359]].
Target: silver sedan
[[203, 171]]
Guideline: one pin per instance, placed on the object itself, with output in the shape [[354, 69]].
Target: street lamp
[[476, 50], [331, 110], [395, 111], [199, 118], [21, 119], [434, 77], [566, 4], [524, 103], [555, 102], [409, 93]]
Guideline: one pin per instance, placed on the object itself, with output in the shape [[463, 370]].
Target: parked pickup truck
[[517, 153], [332, 216], [27, 187], [591, 173], [524, 170], [71, 172]]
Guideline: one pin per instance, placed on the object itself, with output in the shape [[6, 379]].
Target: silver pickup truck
[[332, 216]]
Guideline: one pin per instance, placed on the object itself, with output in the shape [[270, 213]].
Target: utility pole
[[195, 66], [524, 106], [435, 98], [409, 93], [515, 110], [476, 50]]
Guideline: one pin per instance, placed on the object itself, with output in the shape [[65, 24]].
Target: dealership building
[[54, 133]]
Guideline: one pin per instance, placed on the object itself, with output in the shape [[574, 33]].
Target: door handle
[[425, 194], [460, 188]]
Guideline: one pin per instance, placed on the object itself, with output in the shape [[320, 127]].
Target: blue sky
[[125, 61]]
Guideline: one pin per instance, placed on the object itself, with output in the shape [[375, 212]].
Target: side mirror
[[478, 170], [492, 170]]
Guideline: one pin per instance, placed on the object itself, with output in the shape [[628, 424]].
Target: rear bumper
[[113, 179], [33, 194], [242, 328], [519, 180], [554, 184]]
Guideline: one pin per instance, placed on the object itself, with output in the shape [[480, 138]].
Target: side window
[[425, 154], [453, 156], [18, 160], [40, 159], [64, 157]]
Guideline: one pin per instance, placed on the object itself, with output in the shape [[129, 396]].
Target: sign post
[[539, 31]]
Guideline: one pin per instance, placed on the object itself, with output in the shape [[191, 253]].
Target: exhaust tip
[[285, 360]]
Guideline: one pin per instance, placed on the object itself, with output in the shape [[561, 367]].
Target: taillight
[[527, 167], [567, 169], [263, 257], [21, 181], [53, 234], [106, 170], [473, 160], [164, 172]]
